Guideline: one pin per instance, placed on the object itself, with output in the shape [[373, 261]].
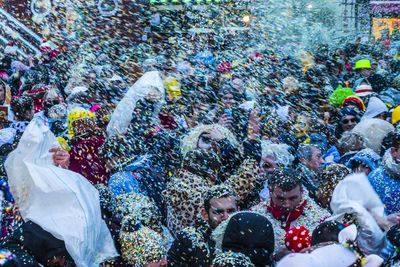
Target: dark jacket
[[33, 246]]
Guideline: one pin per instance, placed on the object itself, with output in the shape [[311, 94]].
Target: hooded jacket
[[34, 246], [385, 180], [375, 107]]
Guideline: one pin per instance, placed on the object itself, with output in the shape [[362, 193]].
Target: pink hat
[[364, 90]]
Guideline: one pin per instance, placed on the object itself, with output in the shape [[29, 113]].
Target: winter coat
[[85, 159], [386, 182], [184, 194], [193, 247], [311, 217], [34, 246]]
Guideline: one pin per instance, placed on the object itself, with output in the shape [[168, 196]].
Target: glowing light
[[246, 19]]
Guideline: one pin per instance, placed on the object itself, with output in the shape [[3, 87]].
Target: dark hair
[[392, 139], [285, 179], [21, 105], [305, 152], [326, 232], [217, 191]]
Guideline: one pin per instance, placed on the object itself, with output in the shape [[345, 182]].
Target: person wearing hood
[[204, 165], [289, 206], [364, 161], [375, 109], [249, 233], [194, 246], [385, 179]]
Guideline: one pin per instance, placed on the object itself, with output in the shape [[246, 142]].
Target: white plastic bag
[[355, 195], [62, 202], [122, 115]]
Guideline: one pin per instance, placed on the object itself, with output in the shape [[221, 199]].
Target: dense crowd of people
[[263, 160]]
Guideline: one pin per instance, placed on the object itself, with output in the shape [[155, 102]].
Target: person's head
[[207, 137], [310, 156], [143, 247], [219, 204], [364, 67], [50, 99], [330, 177], [395, 146], [231, 259], [248, 233], [23, 108], [286, 189], [364, 161], [227, 96], [350, 142], [203, 163], [348, 122], [274, 156], [326, 232]]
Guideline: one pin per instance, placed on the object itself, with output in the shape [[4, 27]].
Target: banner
[[380, 24]]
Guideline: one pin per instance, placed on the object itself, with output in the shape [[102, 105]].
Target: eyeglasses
[[347, 121]]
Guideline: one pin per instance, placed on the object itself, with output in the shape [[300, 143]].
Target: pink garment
[[85, 159]]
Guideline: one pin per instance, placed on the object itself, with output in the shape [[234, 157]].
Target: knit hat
[[249, 233], [231, 259], [354, 100], [396, 115], [138, 209], [297, 238], [364, 90], [362, 64], [375, 107], [142, 247]]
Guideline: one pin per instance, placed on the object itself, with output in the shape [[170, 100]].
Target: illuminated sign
[[380, 24], [182, 2]]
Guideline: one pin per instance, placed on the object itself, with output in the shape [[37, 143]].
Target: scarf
[[286, 218]]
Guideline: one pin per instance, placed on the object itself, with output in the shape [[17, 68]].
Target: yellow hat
[[75, 114], [396, 115], [363, 64]]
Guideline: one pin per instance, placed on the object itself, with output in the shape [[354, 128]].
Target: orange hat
[[354, 100]]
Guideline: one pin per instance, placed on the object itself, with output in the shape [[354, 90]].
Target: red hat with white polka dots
[[297, 238]]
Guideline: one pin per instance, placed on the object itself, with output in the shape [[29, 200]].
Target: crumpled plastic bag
[[355, 195], [123, 113], [62, 202]]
